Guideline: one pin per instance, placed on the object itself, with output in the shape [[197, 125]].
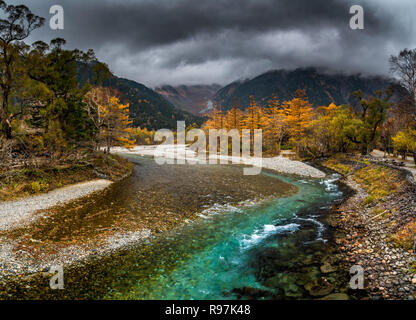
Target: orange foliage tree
[[111, 119], [116, 124], [297, 115]]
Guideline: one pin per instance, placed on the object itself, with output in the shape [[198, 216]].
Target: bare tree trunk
[[5, 121]]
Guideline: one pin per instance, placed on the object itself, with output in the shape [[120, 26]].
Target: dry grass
[[378, 181], [337, 166], [405, 237]]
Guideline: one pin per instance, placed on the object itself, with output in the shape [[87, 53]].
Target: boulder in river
[[319, 288], [328, 268], [336, 296]]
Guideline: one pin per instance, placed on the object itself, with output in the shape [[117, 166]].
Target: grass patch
[[413, 267], [337, 166], [378, 182]]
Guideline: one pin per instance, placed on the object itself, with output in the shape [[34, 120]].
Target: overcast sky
[[159, 42]]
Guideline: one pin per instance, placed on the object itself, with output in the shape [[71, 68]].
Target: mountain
[[194, 98], [148, 109], [321, 88]]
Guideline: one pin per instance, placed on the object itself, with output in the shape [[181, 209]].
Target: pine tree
[[17, 23]]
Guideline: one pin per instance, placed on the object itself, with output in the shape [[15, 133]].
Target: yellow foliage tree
[[254, 116], [216, 119], [234, 119], [275, 129], [297, 115], [322, 131], [115, 124]]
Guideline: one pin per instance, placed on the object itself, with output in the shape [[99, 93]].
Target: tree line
[[371, 122]]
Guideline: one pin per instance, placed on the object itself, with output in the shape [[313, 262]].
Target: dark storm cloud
[[190, 41]]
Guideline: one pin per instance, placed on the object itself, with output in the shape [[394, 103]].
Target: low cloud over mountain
[[194, 42]]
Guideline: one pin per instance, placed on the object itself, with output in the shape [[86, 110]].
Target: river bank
[[40, 175], [22, 212], [23, 254], [375, 226]]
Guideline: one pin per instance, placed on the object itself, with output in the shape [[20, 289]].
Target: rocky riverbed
[[365, 231]]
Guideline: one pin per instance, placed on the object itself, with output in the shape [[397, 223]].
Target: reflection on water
[[217, 257]]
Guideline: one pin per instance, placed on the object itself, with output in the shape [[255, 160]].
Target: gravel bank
[[279, 164], [21, 212], [20, 262], [364, 239]]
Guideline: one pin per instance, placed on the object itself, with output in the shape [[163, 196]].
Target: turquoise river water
[[212, 256]]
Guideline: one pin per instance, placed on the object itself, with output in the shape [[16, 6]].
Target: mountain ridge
[[148, 109], [321, 88], [190, 98]]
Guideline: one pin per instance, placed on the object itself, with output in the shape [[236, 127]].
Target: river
[[253, 237]]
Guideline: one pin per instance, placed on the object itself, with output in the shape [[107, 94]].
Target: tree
[[233, 119], [65, 110], [404, 142], [404, 66], [275, 129], [345, 129], [116, 122], [17, 26], [321, 135], [371, 118], [388, 130], [297, 114], [216, 119], [254, 117], [95, 98]]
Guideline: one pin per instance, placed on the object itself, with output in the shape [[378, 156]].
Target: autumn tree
[[96, 97], [234, 119], [321, 132], [115, 129], [216, 119], [297, 114], [254, 116], [17, 24], [405, 142], [275, 128]]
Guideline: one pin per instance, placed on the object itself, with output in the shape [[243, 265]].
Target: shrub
[[368, 200], [405, 237], [35, 186], [337, 166]]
